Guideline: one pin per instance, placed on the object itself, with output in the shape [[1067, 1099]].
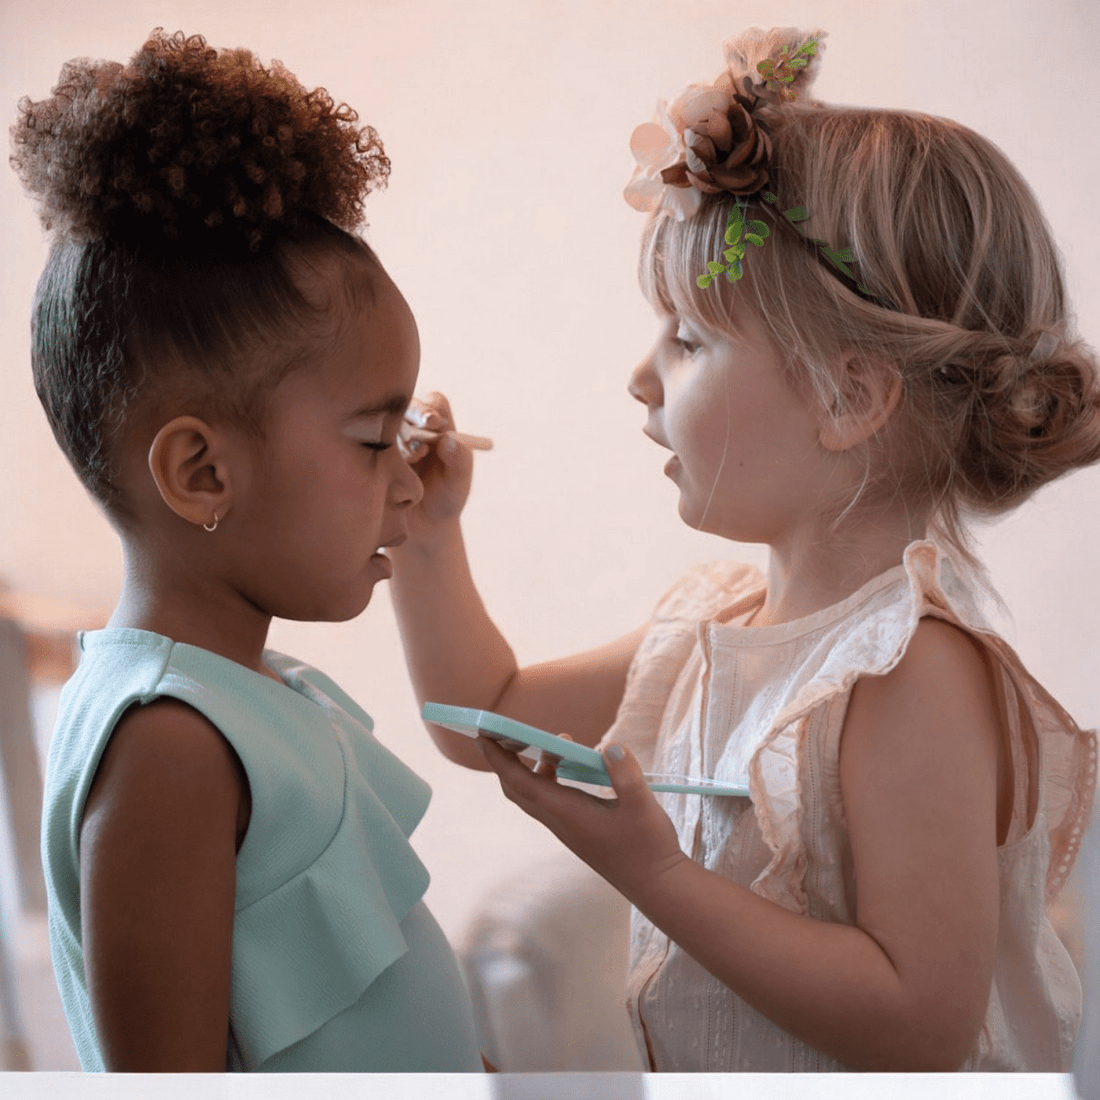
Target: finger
[[511, 771], [416, 444], [548, 761], [457, 459], [502, 759], [534, 794], [627, 777], [432, 411], [499, 758], [419, 440], [547, 765]]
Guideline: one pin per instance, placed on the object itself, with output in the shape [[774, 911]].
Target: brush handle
[[474, 442]]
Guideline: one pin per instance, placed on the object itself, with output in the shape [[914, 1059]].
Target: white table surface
[[537, 1086]]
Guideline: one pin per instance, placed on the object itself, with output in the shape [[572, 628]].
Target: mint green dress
[[337, 963]]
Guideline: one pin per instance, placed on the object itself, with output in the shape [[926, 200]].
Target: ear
[[190, 464], [870, 390]]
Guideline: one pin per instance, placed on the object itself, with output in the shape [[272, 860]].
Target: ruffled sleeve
[[326, 873], [309, 949], [1062, 756]]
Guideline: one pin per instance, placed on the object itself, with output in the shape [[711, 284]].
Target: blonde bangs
[[675, 253]]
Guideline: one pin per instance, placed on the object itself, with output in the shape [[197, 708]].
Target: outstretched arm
[[455, 652], [905, 987]]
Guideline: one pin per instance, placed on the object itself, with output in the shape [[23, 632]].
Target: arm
[[906, 986], [455, 652], [158, 879]]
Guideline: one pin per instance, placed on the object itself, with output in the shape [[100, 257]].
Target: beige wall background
[[507, 122]]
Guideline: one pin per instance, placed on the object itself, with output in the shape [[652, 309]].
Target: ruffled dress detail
[[328, 887], [764, 707]]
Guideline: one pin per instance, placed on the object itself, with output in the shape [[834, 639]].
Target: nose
[[644, 384], [407, 489]]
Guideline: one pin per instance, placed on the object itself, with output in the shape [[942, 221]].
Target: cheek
[[701, 421], [314, 483]]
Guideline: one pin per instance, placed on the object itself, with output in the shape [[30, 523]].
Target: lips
[[673, 463], [381, 559], [397, 541], [656, 439]]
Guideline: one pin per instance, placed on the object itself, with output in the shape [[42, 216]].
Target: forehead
[[668, 271], [367, 347]]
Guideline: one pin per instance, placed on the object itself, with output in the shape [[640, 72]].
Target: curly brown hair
[[184, 192], [186, 140]]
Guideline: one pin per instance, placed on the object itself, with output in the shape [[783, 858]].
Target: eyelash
[[377, 446]]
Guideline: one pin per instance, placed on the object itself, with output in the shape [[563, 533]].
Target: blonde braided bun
[[1017, 417]]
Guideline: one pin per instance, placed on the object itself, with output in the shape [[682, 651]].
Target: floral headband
[[715, 138]]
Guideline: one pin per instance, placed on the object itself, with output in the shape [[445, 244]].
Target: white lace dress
[[765, 707]]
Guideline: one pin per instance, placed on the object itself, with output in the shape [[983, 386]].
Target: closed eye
[[377, 446]]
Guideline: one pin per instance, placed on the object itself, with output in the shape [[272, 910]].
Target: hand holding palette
[[578, 762]]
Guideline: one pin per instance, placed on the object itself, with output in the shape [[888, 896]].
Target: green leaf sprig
[[738, 233], [782, 71]]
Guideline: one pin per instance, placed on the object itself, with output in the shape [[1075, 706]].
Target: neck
[[815, 570], [189, 607]]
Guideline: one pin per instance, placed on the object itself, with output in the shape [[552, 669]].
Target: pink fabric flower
[[659, 147], [710, 138]]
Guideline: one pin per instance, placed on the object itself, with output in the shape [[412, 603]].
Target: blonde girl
[[864, 340], [226, 364]]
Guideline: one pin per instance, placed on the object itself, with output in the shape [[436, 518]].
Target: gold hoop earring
[[211, 526]]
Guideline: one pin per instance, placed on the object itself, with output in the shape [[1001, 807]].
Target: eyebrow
[[390, 404]]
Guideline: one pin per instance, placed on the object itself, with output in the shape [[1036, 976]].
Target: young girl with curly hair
[[226, 364], [864, 339]]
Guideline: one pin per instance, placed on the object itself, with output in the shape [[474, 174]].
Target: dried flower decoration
[[715, 138], [781, 72]]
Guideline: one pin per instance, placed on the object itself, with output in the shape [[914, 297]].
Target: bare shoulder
[[945, 650], [943, 669], [932, 719], [166, 758]]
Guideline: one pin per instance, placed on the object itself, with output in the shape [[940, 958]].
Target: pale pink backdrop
[[507, 122]]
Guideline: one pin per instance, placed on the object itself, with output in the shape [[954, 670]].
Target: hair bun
[[191, 144], [1037, 418]]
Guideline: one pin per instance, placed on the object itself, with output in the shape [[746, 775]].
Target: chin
[[330, 612], [693, 516], [350, 610], [710, 524]]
